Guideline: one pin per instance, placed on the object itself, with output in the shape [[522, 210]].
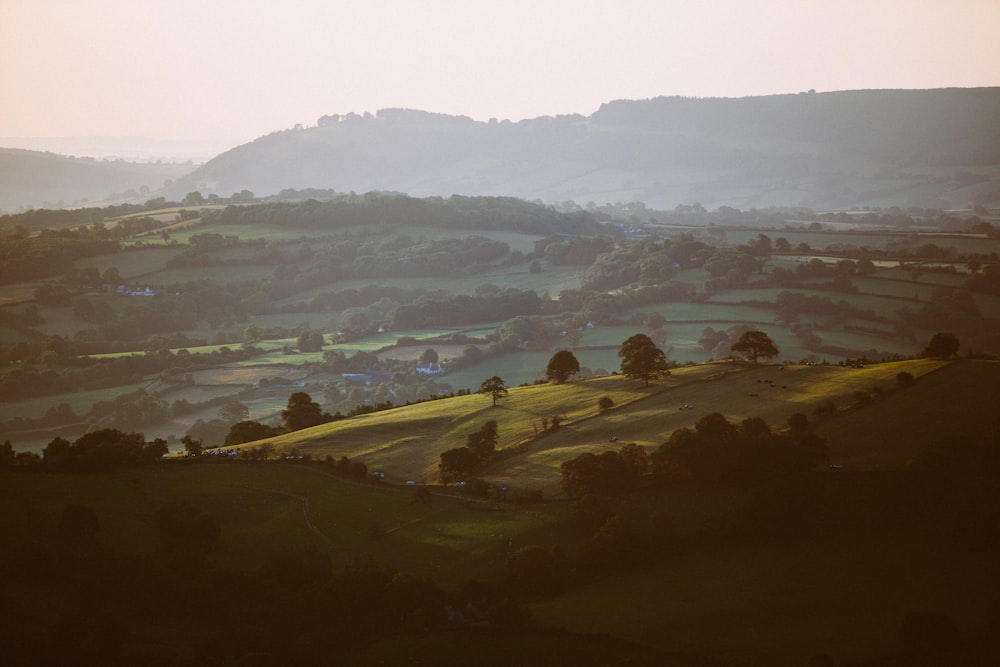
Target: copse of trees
[[310, 341], [248, 431], [105, 449], [393, 210], [717, 450], [462, 463], [942, 345], [609, 473]]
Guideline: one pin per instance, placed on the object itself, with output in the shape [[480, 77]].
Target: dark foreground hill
[[930, 148]]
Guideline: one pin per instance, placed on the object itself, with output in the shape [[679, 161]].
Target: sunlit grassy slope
[[406, 443]]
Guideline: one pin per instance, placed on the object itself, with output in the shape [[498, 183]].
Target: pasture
[[890, 432], [80, 401], [406, 442], [133, 263], [260, 510], [782, 603]]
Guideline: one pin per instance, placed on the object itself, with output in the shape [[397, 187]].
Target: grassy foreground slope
[[782, 603], [871, 411], [952, 399]]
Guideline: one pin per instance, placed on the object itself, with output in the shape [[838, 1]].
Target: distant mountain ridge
[[36, 179], [933, 148]]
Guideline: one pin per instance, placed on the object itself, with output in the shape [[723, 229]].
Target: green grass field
[[405, 443], [889, 433]]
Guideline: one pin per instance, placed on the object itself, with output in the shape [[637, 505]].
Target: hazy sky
[[228, 71]]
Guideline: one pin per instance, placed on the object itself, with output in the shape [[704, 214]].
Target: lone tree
[[302, 412], [494, 388], [942, 345], [429, 356], [562, 364], [755, 344], [641, 359]]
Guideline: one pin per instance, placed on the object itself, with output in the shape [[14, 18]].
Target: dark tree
[[310, 341], [484, 441], [7, 455], [429, 356], [57, 452], [605, 403], [641, 359], [104, 449], [635, 458], [302, 412], [248, 431], [458, 464], [942, 346], [604, 474], [495, 388], [191, 446], [755, 344], [561, 366]]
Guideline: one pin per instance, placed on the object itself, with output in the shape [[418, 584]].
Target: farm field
[[551, 280], [875, 239], [132, 264], [80, 401], [405, 443]]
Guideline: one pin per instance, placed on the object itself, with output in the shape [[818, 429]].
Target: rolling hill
[[930, 148], [884, 432], [35, 179]]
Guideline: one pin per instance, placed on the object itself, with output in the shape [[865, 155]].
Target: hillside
[[303, 562], [931, 148], [885, 433], [31, 179]]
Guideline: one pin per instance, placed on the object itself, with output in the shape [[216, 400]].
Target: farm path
[[327, 540]]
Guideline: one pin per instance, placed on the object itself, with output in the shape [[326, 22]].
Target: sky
[[206, 75]]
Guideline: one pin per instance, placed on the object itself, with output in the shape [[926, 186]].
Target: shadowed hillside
[[934, 148], [32, 179]]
